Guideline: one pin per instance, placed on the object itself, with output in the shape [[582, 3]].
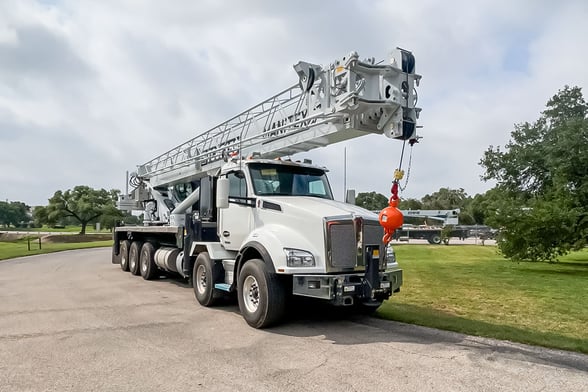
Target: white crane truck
[[227, 210]]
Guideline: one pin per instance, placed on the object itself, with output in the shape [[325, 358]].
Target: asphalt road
[[72, 321]]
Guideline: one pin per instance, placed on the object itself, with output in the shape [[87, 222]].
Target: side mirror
[[222, 193], [350, 196]]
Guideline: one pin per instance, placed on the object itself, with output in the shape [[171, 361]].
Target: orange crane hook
[[390, 217]]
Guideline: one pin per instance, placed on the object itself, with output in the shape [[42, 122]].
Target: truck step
[[222, 286], [228, 265]]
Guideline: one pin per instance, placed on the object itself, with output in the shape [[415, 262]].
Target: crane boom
[[347, 99]]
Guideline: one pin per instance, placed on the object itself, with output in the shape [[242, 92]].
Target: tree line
[[14, 213], [81, 206]]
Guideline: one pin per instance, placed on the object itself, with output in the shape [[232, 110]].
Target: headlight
[[390, 257], [299, 258]]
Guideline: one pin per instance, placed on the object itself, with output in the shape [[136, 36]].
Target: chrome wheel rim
[[144, 265], [251, 294], [201, 279]]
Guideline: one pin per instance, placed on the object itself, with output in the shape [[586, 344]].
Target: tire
[[435, 239], [134, 254], [204, 275], [123, 253], [366, 309], [261, 294], [147, 266]]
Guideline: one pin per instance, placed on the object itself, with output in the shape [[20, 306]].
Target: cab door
[[236, 220]]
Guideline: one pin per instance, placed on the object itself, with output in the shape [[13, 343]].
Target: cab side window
[[237, 184]]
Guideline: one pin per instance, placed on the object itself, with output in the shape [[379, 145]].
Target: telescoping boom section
[[329, 104], [224, 212]]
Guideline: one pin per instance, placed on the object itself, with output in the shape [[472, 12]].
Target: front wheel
[[367, 308], [262, 297]]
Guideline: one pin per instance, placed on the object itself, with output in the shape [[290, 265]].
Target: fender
[[242, 256], [272, 238]]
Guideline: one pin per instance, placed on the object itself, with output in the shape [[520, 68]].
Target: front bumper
[[346, 289]]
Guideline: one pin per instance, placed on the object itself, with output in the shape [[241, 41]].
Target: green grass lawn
[[66, 229], [19, 248], [473, 290]]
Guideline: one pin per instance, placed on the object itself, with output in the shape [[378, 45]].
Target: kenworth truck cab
[[228, 212], [286, 211]]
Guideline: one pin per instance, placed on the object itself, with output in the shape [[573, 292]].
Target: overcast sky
[[90, 89]]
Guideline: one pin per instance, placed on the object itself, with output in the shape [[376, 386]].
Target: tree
[[541, 232], [410, 204], [445, 199], [446, 233], [449, 199], [41, 216], [481, 206], [82, 203], [371, 201], [465, 218], [14, 213], [542, 179], [109, 219]]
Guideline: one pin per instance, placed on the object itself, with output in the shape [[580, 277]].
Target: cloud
[[91, 89], [39, 52]]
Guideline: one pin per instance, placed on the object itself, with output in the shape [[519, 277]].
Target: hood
[[318, 206]]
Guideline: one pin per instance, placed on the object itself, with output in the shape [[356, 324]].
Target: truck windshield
[[287, 180]]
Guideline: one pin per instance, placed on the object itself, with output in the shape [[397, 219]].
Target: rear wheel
[[123, 253], [262, 297], [435, 239], [134, 254], [204, 275], [147, 261]]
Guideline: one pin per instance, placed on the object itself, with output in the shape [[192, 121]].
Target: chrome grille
[[372, 233], [347, 240], [343, 252], [372, 236]]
